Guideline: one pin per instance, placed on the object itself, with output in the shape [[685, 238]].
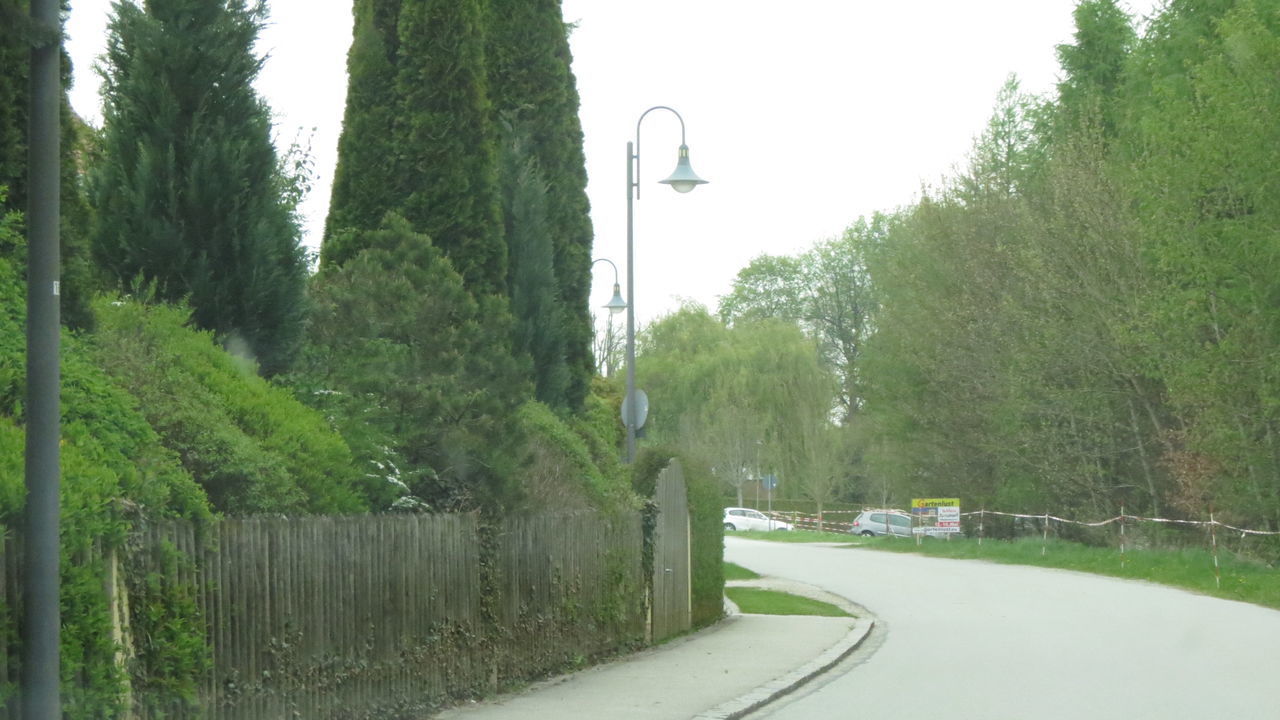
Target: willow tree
[[752, 399]]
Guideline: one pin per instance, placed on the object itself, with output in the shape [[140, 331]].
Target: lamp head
[[616, 304], [683, 179]]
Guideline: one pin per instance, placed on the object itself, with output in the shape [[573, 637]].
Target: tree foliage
[[17, 38], [417, 373], [751, 399], [462, 118], [419, 137], [826, 290], [539, 314], [1085, 317], [190, 196], [532, 86]]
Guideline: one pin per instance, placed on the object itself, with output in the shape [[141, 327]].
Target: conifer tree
[[418, 373], [539, 320], [418, 137], [364, 185], [446, 144], [531, 83], [191, 199], [1094, 65]]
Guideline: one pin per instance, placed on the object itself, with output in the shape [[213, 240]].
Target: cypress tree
[[446, 142], [531, 83], [418, 137], [191, 199], [364, 186]]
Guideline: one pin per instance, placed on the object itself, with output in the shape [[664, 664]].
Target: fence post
[[982, 514], [1044, 539], [1121, 536], [1213, 540]]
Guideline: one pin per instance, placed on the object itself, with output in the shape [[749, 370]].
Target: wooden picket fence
[[381, 616]]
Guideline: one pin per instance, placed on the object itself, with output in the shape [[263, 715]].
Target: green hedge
[[706, 515]]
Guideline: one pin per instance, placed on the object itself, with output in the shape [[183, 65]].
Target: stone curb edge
[[771, 691]]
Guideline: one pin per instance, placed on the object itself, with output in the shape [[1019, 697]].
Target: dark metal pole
[[630, 420], [41, 616]]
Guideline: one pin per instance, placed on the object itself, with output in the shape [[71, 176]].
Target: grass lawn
[[1192, 568], [802, 536], [737, 572], [771, 602]]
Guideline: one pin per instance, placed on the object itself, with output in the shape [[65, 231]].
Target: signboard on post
[[936, 516]]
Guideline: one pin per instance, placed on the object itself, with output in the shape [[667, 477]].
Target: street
[[973, 640]]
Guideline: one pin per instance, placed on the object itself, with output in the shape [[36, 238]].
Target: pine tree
[[191, 199], [531, 83]]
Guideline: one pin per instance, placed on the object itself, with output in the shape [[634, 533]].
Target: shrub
[[250, 444], [115, 472]]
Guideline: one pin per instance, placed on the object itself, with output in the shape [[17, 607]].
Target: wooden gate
[[672, 602]]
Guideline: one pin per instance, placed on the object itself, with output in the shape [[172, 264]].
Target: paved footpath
[[720, 672]]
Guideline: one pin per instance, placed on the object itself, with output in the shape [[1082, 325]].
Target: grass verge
[[1190, 568], [759, 601], [737, 572], [802, 536]]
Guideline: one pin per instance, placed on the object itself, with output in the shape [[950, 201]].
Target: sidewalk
[[723, 671]]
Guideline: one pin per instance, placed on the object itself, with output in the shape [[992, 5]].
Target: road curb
[[767, 693]]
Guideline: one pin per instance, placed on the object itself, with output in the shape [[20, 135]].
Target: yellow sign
[[934, 502]]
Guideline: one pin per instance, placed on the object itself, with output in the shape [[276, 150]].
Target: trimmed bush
[[250, 444]]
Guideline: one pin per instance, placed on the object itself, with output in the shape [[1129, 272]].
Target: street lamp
[[682, 180], [616, 304]]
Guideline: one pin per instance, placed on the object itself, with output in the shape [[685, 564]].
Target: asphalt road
[[969, 640]]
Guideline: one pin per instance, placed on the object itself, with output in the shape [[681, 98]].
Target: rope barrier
[[1132, 518], [1121, 518]]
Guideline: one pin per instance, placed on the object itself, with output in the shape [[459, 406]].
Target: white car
[[748, 519]]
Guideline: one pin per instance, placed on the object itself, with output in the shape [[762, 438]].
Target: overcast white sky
[[803, 115]]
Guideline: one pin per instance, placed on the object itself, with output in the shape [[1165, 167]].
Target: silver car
[[878, 523]]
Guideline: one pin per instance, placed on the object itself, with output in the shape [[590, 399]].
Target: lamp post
[[682, 180], [616, 304], [605, 361], [40, 634]]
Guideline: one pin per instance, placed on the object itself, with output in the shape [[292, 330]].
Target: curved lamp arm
[[616, 304], [683, 179]]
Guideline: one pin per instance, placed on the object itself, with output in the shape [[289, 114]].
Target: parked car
[[877, 523], [748, 519]]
